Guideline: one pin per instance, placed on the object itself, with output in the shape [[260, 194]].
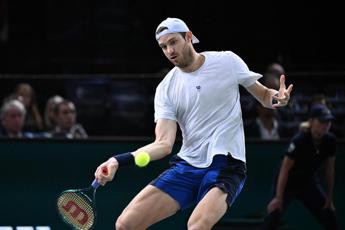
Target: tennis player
[[201, 95]]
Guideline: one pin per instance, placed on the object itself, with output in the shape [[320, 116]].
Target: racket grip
[[95, 183]]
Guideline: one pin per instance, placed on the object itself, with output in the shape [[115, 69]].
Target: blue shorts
[[188, 184]]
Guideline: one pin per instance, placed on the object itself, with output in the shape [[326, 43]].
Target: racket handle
[[95, 183]]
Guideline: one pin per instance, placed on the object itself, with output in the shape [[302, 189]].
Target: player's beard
[[185, 59]]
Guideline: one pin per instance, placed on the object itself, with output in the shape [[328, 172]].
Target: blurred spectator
[[266, 125], [318, 99], [272, 75], [66, 118], [275, 69], [12, 116], [33, 120], [49, 114]]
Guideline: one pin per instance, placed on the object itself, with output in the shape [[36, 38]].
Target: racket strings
[[77, 210]]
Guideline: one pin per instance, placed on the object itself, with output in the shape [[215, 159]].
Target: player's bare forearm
[[165, 139], [156, 150], [162, 146], [263, 94], [266, 96]]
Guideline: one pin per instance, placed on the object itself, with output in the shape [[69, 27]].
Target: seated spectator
[[66, 126], [266, 126], [33, 120], [12, 117], [275, 68], [49, 114], [272, 75]]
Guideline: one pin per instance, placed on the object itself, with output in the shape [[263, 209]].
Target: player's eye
[[172, 42]]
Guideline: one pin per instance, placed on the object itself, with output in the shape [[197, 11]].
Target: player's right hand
[[275, 204], [112, 165]]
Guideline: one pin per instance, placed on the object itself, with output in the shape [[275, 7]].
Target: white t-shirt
[[206, 105], [266, 134]]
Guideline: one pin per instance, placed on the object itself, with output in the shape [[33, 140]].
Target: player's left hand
[[283, 96]]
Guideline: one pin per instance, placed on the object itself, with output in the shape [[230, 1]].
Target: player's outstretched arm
[[162, 146], [266, 95]]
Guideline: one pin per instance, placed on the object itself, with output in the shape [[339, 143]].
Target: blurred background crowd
[[76, 69], [79, 107]]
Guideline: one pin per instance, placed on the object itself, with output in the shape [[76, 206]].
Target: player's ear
[[189, 36]]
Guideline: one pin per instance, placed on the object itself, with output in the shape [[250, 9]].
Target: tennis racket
[[77, 207]]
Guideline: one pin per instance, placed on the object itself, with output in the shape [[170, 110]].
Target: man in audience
[[272, 74], [266, 125], [12, 117], [49, 113], [66, 122]]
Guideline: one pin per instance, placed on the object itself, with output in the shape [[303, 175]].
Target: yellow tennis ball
[[142, 159]]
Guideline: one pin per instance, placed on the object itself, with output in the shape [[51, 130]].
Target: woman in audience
[[49, 114], [33, 120]]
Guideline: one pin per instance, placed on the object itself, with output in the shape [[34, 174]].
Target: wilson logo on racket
[[76, 212], [78, 208]]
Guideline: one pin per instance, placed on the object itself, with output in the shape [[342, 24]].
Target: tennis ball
[[142, 159]]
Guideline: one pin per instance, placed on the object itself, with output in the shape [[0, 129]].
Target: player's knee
[[119, 225], [199, 224], [123, 223]]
